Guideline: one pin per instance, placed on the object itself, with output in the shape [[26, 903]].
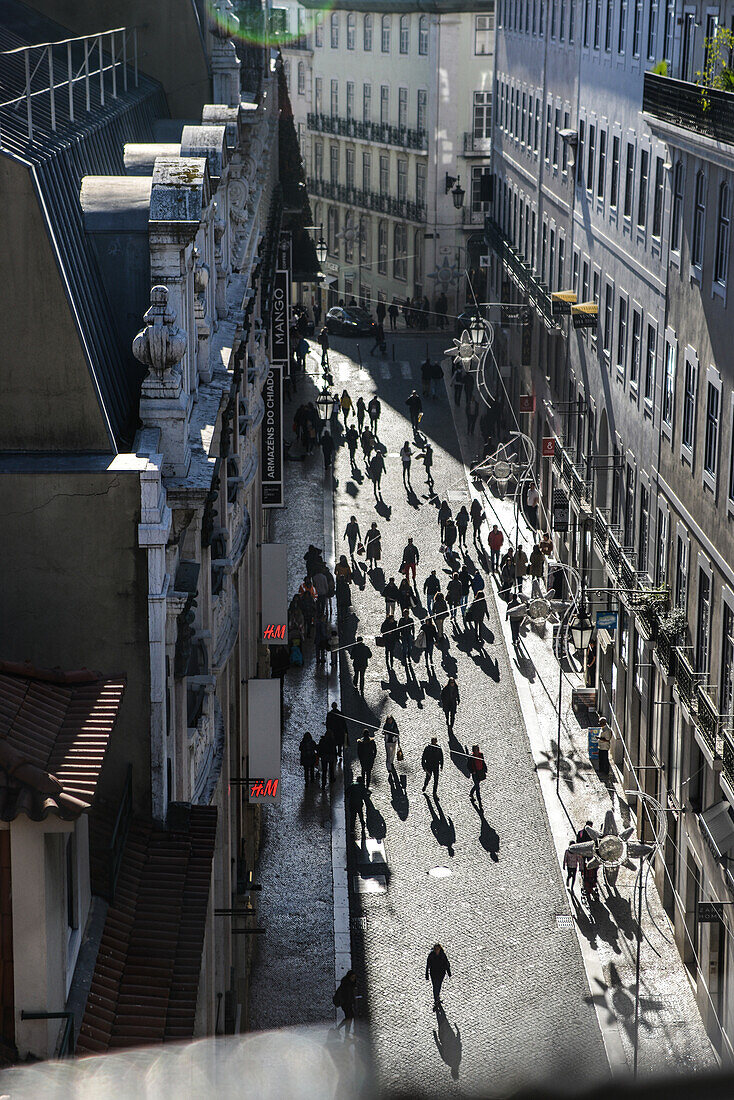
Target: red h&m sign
[[549, 446], [263, 788], [527, 402], [274, 633]]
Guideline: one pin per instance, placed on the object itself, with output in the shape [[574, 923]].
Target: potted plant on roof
[[717, 73]]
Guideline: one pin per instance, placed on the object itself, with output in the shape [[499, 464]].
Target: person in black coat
[[437, 967], [309, 757], [360, 659], [327, 756], [450, 700], [391, 596], [444, 515], [336, 725], [415, 407], [344, 998], [389, 640], [366, 753], [327, 446], [432, 763]]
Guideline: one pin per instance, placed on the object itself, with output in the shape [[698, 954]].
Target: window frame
[[334, 30], [385, 33], [723, 240], [698, 225], [670, 370], [423, 36], [367, 32], [404, 35], [688, 405], [351, 30], [712, 431]]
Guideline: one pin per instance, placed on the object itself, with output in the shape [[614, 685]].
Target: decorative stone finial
[[160, 346]]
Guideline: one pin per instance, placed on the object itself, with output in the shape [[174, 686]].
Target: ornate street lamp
[[477, 331], [457, 191], [322, 250], [581, 629]]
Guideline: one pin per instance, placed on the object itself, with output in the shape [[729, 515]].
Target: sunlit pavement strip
[[672, 1035]]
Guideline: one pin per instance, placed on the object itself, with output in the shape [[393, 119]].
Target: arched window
[[301, 78], [386, 34], [404, 33], [367, 33], [382, 248], [319, 30], [351, 30], [676, 215], [699, 219], [333, 227], [400, 253], [335, 30], [721, 266], [423, 35]]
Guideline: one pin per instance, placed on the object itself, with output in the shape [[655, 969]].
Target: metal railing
[[67, 1046], [601, 529], [708, 718], [377, 132], [521, 273], [666, 654], [53, 70], [686, 678], [367, 200], [479, 146], [681, 103], [120, 829], [728, 757]]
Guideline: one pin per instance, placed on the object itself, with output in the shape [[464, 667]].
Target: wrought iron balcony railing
[[728, 756], [666, 654], [681, 103], [367, 200], [376, 132], [477, 146], [601, 530], [709, 719], [521, 273], [685, 676]]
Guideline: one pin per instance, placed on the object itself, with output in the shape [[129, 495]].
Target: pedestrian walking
[[462, 525], [477, 517], [406, 628], [432, 764], [457, 381], [515, 613], [374, 409], [495, 540], [376, 469], [415, 407], [361, 654], [389, 640], [381, 312], [425, 376], [437, 968], [571, 861], [468, 386], [405, 595], [352, 534], [345, 999], [426, 457], [327, 448], [450, 700], [454, 595], [449, 536], [436, 377], [411, 557], [537, 563], [590, 664], [366, 753], [444, 515], [368, 443], [321, 638], [478, 773], [472, 412], [333, 646], [345, 404], [532, 501], [440, 613], [361, 412], [324, 341], [391, 595], [379, 338], [373, 545], [546, 544], [327, 756], [441, 309], [476, 614], [430, 636], [406, 455], [336, 725], [431, 586], [392, 742], [521, 567], [507, 571], [605, 744], [393, 311], [321, 585], [309, 757], [352, 438], [465, 578], [477, 582]]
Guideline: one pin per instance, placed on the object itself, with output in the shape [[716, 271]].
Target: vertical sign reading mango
[[272, 435]]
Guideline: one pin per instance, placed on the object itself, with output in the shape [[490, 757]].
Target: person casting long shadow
[[489, 838], [448, 1042], [442, 827]]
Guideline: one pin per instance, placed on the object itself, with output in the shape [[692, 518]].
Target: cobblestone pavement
[[518, 1008], [672, 1035]]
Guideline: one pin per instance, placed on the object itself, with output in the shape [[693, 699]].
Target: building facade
[[389, 101], [599, 231]]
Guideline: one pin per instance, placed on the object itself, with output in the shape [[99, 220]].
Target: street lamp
[[322, 249], [582, 629], [457, 191], [477, 331]]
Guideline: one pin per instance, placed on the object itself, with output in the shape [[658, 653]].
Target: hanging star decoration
[[463, 351], [499, 467], [610, 849], [445, 274]]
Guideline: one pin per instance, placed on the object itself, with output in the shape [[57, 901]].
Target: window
[[590, 154], [402, 108], [657, 210], [349, 235], [642, 202], [420, 184], [351, 30], [404, 33], [689, 407], [711, 439], [334, 163], [636, 345], [644, 528], [384, 105], [650, 357], [548, 132], [523, 117], [721, 261], [580, 154], [629, 507], [556, 138], [551, 258], [726, 689], [385, 34], [703, 623], [597, 24], [482, 119], [587, 19], [671, 354], [561, 260], [384, 174], [332, 223], [402, 180], [350, 168], [699, 220], [608, 317], [367, 102], [301, 78], [629, 174], [595, 298], [319, 30], [676, 216], [622, 34], [668, 29], [334, 98], [584, 281], [553, 6], [335, 30], [400, 258], [608, 26], [652, 29], [318, 159], [614, 185], [480, 189], [571, 20], [366, 172], [661, 556], [421, 115], [536, 135], [622, 335], [423, 35], [382, 248], [575, 273], [564, 148], [350, 99], [367, 33], [319, 94], [544, 251], [681, 572], [602, 164], [624, 636], [562, 21], [637, 29], [541, 4]]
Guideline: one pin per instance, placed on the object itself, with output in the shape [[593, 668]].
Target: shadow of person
[[458, 755], [442, 827], [377, 577], [399, 798], [489, 838], [376, 825], [382, 509], [448, 1042]]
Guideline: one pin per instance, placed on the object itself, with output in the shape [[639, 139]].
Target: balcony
[[680, 103], [375, 132], [686, 678], [666, 654], [614, 552], [477, 146], [367, 200], [627, 574], [728, 768], [709, 719], [472, 217], [601, 530], [521, 274]]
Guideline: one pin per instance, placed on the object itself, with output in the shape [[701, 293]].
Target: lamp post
[[453, 185], [577, 580]]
